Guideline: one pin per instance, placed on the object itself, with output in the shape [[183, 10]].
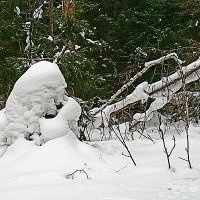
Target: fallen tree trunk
[[163, 88], [147, 65], [162, 91]]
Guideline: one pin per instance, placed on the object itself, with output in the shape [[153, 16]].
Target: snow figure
[[37, 94]]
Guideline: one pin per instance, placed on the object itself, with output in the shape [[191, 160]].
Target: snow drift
[[64, 154], [38, 96]]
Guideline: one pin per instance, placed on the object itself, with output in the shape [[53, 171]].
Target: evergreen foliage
[[105, 42]]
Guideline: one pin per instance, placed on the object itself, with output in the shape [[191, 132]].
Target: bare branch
[[183, 159], [122, 140], [125, 155], [174, 139], [121, 168], [187, 119], [162, 136], [71, 176], [145, 136]]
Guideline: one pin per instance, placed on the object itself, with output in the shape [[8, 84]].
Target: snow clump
[[38, 94]]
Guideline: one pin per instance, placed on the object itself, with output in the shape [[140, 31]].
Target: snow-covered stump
[[38, 93]]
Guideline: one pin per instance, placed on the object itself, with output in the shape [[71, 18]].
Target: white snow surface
[[63, 123], [3, 119], [35, 172], [36, 94]]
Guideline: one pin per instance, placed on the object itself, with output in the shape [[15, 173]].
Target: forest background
[[98, 44]]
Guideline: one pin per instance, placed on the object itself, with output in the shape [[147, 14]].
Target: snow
[[59, 53], [148, 65], [63, 123], [157, 104], [161, 59], [92, 41], [50, 38], [77, 47], [35, 172], [82, 34], [35, 95], [28, 41], [17, 10], [175, 87], [141, 51], [27, 26], [53, 155], [104, 116], [65, 168], [143, 91], [163, 96], [37, 14], [3, 119], [41, 74]]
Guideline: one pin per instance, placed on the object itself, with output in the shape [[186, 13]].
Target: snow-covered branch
[[137, 95], [162, 91], [162, 59], [59, 54], [167, 86], [147, 65]]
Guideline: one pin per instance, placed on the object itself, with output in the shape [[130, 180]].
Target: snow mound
[[37, 94], [65, 154], [3, 120]]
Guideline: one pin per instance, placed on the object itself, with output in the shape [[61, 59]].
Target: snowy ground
[[30, 172]]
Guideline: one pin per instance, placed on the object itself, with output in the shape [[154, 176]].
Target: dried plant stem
[[162, 136], [187, 123], [71, 176], [122, 140]]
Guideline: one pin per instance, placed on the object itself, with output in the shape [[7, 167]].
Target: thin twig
[[121, 168], [162, 136], [174, 139], [122, 140], [71, 176], [183, 159], [187, 118]]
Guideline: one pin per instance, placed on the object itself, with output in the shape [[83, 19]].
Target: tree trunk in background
[[51, 17]]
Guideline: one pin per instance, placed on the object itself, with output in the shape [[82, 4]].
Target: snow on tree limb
[[161, 90], [166, 89], [147, 65], [137, 95], [59, 54], [162, 59]]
